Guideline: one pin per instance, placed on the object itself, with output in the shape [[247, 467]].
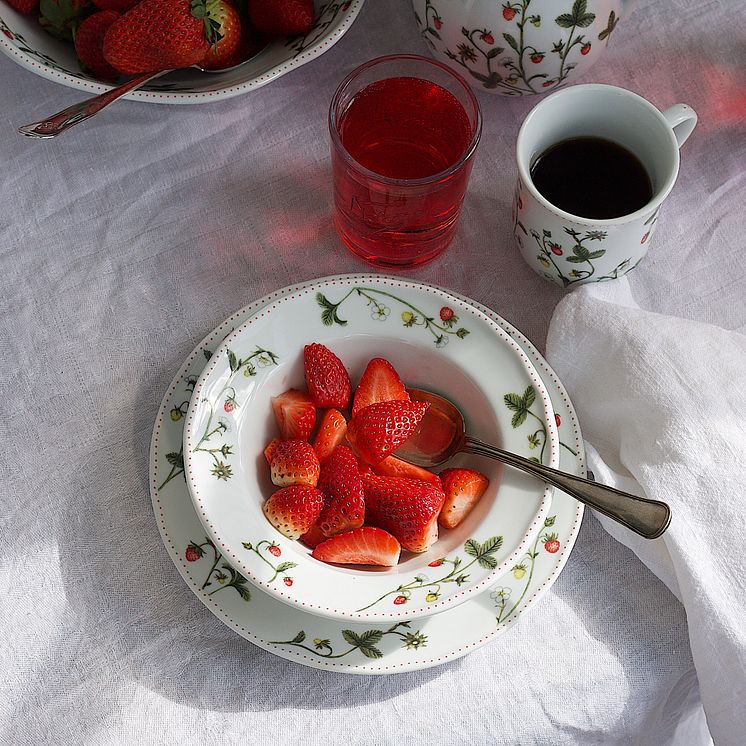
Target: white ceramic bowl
[[25, 42], [471, 359]]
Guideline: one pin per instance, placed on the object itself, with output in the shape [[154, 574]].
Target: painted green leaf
[[175, 459], [487, 562], [494, 52], [565, 20], [472, 547], [511, 40], [529, 397], [575, 259], [283, 566], [597, 254], [513, 402], [329, 314], [207, 354], [243, 591], [432, 32], [299, 638], [461, 333], [519, 418], [581, 251], [232, 361], [491, 545]]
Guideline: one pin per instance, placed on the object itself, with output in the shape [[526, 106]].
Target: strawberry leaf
[[513, 402], [232, 361], [243, 591], [299, 638], [519, 418], [175, 459], [529, 397], [285, 566], [511, 40]]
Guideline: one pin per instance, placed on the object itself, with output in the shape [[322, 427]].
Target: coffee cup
[[569, 249]]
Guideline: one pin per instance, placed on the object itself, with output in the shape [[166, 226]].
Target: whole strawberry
[[326, 377], [294, 462], [378, 430], [60, 18], [89, 43], [281, 17], [293, 510], [161, 35], [24, 6], [224, 52]]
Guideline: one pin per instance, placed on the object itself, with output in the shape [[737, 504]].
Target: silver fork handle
[[77, 113], [648, 518]]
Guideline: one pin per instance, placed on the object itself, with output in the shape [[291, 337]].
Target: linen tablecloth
[[127, 239]]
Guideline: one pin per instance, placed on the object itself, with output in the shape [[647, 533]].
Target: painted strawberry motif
[[435, 563], [446, 313], [288, 581], [585, 48], [438, 23], [520, 203], [556, 249], [547, 83], [537, 58], [645, 237], [176, 414], [274, 550], [551, 543], [193, 553], [557, 419], [508, 13], [228, 406], [431, 597], [519, 571], [399, 600], [487, 38]]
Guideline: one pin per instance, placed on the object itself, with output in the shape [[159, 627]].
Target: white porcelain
[[25, 42], [569, 250], [468, 358], [519, 47], [313, 641]]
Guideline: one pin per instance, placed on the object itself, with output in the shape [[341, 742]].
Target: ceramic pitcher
[[520, 47]]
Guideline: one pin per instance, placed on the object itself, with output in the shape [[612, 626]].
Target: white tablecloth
[[126, 240]]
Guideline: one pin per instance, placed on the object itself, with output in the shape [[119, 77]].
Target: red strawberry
[[344, 504], [326, 377], [378, 430], [60, 18], [537, 57], [274, 550], [295, 414], [331, 433], [288, 581], [362, 546], [161, 35], [557, 419], [224, 52], [645, 237], [556, 249], [380, 382], [463, 489], [435, 563], [24, 6], [294, 462], [408, 508], [399, 600], [584, 50], [547, 83], [269, 451], [446, 313], [293, 510], [281, 17], [313, 537], [551, 543], [89, 43], [228, 406], [193, 552], [508, 13], [438, 23], [121, 6], [488, 38], [395, 467]]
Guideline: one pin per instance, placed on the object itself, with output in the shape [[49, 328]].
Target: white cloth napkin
[[662, 403]]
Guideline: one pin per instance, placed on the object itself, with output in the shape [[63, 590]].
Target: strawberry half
[[379, 382], [281, 17], [89, 43], [395, 467], [293, 510], [344, 504], [463, 489], [294, 462], [331, 433], [378, 430], [313, 537], [408, 508], [326, 377], [270, 449], [161, 35], [362, 546], [295, 414]]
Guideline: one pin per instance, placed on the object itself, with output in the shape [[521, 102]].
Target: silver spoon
[[648, 518], [77, 113]]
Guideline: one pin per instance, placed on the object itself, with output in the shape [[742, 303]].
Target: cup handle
[[682, 119]]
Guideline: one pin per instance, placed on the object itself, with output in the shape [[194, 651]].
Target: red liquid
[[401, 128]]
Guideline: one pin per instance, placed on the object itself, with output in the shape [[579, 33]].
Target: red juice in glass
[[404, 130]]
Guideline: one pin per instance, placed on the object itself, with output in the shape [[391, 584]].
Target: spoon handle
[[63, 120], [648, 518]]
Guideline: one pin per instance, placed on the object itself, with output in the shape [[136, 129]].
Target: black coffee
[[592, 178]]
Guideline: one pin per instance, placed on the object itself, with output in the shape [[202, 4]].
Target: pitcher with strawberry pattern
[[519, 47]]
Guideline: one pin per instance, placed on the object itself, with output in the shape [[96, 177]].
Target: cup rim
[[366, 172], [647, 208]]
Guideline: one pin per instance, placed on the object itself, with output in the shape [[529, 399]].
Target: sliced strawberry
[[271, 448], [362, 546], [281, 17], [379, 382], [408, 508], [294, 462], [344, 504], [293, 510], [395, 467], [463, 489], [326, 377], [331, 433], [378, 430], [295, 413], [313, 537]]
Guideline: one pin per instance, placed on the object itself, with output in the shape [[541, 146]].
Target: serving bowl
[[467, 357], [25, 42]]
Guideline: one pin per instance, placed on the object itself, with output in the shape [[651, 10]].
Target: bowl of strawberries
[[291, 441], [94, 45]]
